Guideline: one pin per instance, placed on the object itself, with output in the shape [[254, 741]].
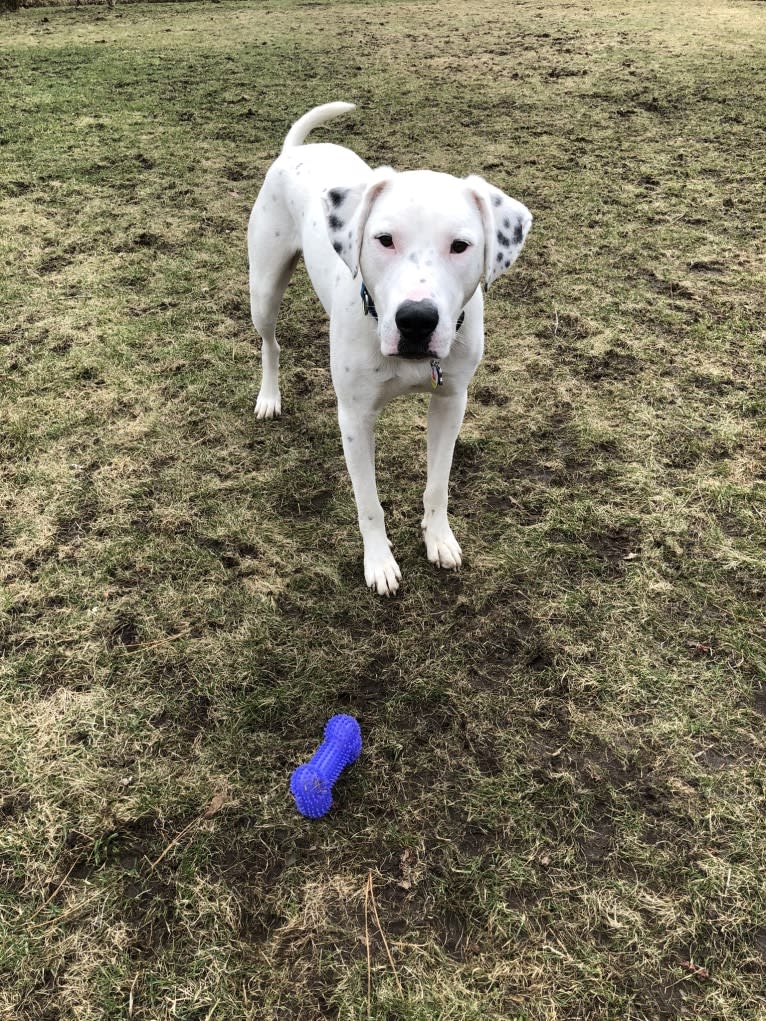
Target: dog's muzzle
[[412, 319], [416, 322]]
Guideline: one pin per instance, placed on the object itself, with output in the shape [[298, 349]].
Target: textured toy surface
[[311, 784]]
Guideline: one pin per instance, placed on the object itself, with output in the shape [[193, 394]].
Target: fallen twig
[[158, 642], [370, 894], [216, 803], [47, 902]]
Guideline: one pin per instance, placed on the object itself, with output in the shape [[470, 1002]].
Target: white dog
[[396, 260]]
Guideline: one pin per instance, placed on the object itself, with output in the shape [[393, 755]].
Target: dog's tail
[[297, 133]]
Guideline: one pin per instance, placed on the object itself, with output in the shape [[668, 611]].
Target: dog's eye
[[459, 246], [386, 240]]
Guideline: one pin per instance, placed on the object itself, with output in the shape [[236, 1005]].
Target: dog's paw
[[442, 548], [381, 572], [268, 405]]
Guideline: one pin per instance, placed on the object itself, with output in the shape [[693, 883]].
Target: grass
[[559, 810]]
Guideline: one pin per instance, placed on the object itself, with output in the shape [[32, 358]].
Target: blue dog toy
[[311, 784]]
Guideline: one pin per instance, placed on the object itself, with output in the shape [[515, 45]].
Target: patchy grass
[[561, 797]]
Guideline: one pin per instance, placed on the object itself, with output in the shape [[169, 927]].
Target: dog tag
[[436, 374]]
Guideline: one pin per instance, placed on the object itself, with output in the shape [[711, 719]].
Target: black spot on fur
[[502, 239], [518, 233], [496, 200], [499, 256], [337, 246], [337, 196], [335, 222], [507, 223]]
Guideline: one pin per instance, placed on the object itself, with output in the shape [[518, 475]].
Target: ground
[[558, 812]]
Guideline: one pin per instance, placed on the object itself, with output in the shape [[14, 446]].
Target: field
[[559, 810]]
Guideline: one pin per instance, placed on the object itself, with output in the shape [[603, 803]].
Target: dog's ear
[[346, 210], [506, 225]]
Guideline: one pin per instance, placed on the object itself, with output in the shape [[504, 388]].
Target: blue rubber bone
[[311, 784]]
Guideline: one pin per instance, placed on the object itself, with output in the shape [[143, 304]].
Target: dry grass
[[559, 808]]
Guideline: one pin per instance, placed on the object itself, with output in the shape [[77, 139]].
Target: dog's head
[[423, 242]]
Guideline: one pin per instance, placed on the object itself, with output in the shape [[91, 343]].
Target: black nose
[[416, 321]]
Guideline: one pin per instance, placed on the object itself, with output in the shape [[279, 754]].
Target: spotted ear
[[346, 210], [506, 225]]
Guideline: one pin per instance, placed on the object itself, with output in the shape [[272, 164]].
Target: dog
[[397, 260]]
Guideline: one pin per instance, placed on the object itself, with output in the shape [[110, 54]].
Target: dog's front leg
[[445, 416], [381, 571]]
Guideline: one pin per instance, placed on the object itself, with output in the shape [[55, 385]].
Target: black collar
[[367, 302]]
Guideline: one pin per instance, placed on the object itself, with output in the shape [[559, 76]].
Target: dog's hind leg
[[273, 255]]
